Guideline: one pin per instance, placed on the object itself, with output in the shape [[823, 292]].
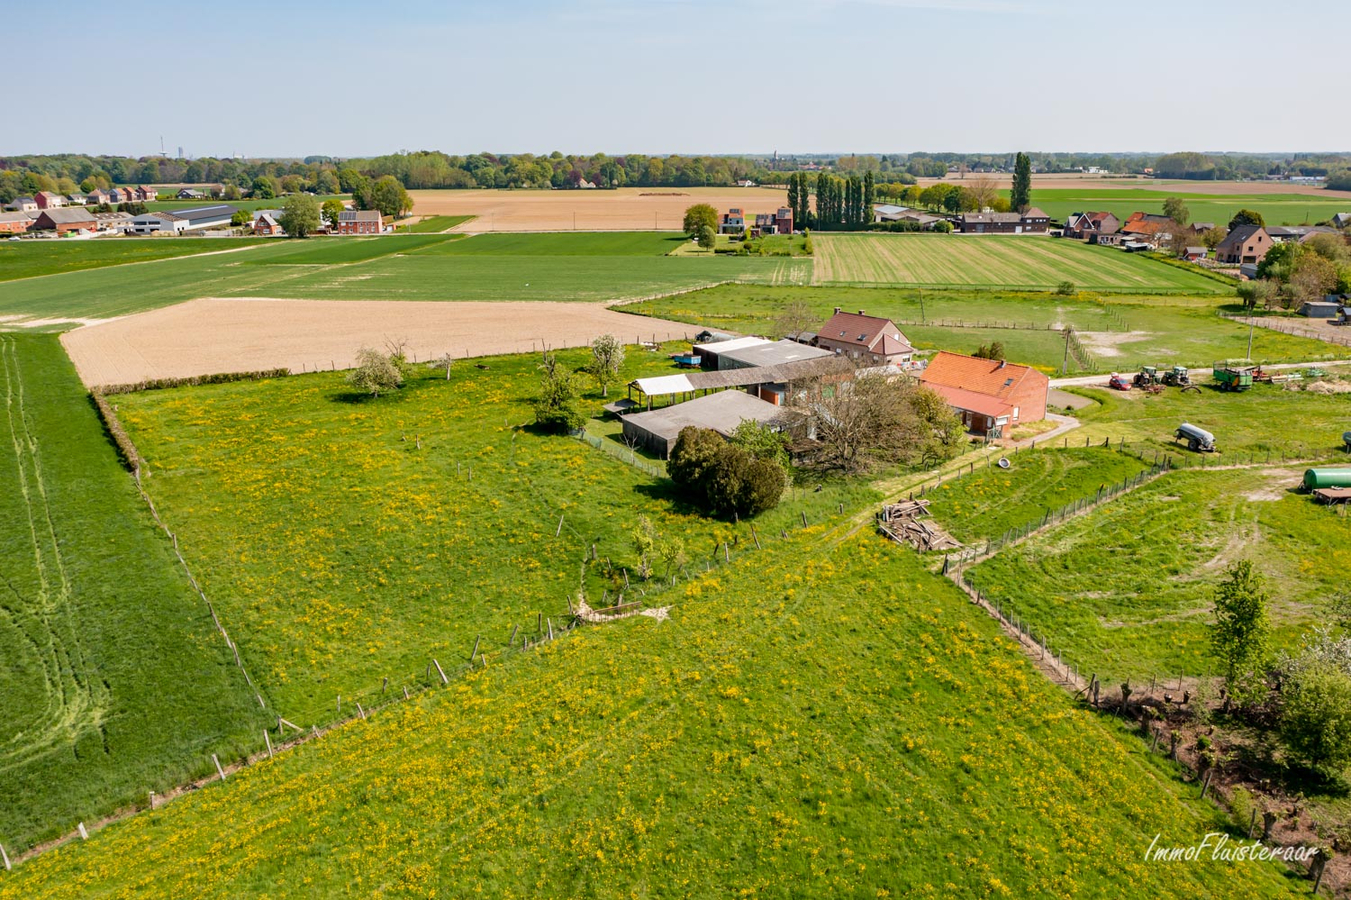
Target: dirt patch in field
[[206, 336], [1105, 343], [625, 209], [1275, 485]]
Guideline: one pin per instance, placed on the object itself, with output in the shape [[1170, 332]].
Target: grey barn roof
[[722, 412], [779, 352], [698, 381]]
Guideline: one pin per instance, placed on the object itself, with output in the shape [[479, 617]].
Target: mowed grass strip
[[1127, 589], [814, 720], [28, 259], [617, 243], [338, 551], [1012, 262], [114, 679], [432, 224]]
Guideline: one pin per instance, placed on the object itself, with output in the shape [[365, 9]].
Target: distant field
[[274, 203], [619, 243], [388, 268], [1126, 590], [338, 552], [1121, 333], [1014, 263], [26, 259], [1276, 208], [432, 224], [114, 680]]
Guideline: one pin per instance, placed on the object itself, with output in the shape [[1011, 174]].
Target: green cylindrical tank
[[1327, 478]]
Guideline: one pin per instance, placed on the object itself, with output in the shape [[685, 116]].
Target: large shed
[[657, 430], [712, 352]]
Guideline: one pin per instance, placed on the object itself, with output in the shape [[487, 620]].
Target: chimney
[[1001, 364], [837, 310]]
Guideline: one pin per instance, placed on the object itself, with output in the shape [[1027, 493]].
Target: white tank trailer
[[1198, 439]]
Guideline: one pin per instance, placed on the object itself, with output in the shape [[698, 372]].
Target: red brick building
[[14, 222], [63, 220], [864, 338], [989, 394], [360, 221], [48, 200], [1245, 244], [265, 224]]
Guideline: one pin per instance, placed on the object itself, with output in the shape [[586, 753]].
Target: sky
[[345, 78]]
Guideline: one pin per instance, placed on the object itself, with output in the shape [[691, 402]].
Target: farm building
[[864, 338], [708, 336], [360, 221], [780, 222], [768, 354], [770, 383], [144, 194], [888, 212], [64, 220], [15, 222], [1341, 220], [183, 220], [1034, 221], [711, 353], [1245, 244], [657, 430], [733, 222], [77, 198], [23, 204], [190, 194], [98, 197], [48, 200], [113, 221], [1320, 309], [1089, 226], [1147, 228], [1192, 254], [989, 394]]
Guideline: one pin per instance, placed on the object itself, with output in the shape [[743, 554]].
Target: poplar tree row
[[841, 203]]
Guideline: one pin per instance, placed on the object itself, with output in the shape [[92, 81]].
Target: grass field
[[1122, 333], [250, 205], [432, 224], [814, 720], [1276, 209], [338, 552], [393, 267], [613, 243], [27, 259], [1126, 590], [113, 678], [990, 501], [1008, 262], [1264, 419]]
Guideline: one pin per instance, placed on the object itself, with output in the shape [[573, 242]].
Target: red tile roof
[[960, 398], [983, 376], [864, 331]]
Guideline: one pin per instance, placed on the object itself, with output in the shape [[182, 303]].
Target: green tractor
[[1233, 378], [1179, 377], [1147, 377]]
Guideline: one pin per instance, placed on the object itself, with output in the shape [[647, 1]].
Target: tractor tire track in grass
[[39, 609]]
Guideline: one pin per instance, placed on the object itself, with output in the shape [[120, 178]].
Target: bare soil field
[[625, 209], [212, 335], [1140, 182]]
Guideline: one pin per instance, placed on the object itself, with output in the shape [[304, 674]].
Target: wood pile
[[902, 522]]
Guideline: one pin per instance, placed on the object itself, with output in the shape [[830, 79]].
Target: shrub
[[376, 372], [1316, 715], [556, 409], [1065, 288], [722, 478]]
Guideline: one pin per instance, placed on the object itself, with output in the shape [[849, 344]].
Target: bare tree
[[795, 318], [443, 362], [607, 355], [984, 191]]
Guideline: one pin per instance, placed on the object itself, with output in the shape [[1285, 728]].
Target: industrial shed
[[657, 430], [711, 353], [770, 383], [774, 354], [183, 219]]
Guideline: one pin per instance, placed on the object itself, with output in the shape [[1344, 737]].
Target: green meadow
[[115, 681], [28, 259], [1276, 209]]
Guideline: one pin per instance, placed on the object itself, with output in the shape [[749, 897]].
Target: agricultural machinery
[[1179, 377], [1198, 439], [1233, 377], [1147, 377], [1346, 439]]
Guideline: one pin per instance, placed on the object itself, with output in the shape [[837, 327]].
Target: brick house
[[733, 222], [1089, 226], [864, 338], [360, 221], [48, 200], [1245, 244], [15, 222], [64, 220], [98, 197], [266, 224], [145, 194], [1147, 228], [989, 394], [1034, 221], [780, 222]]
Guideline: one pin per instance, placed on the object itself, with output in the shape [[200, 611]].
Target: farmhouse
[[1090, 225], [98, 197], [145, 195], [191, 194], [183, 220], [48, 200], [64, 220], [1147, 228], [780, 222], [23, 204], [15, 222], [120, 195], [266, 223], [77, 198], [733, 222], [360, 221], [864, 338], [657, 430], [1245, 244], [887, 212], [1034, 221], [989, 394]]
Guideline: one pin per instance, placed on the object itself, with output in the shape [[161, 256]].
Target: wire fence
[[626, 455]]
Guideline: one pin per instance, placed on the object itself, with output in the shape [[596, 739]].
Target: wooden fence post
[[269, 756], [84, 835], [5, 856], [215, 759], [444, 679], [474, 652]]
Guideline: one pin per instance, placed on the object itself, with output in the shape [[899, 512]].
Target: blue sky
[[671, 76]]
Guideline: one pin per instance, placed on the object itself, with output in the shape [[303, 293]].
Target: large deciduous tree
[[556, 408], [877, 420], [1241, 630], [697, 216], [299, 215], [607, 355]]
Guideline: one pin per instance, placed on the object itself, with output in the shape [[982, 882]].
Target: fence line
[[626, 455], [1294, 329]]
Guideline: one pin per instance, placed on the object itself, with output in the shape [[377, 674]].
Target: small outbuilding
[[657, 430]]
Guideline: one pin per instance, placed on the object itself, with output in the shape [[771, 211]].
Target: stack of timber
[[902, 523]]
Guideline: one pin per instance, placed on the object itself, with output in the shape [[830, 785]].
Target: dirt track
[[625, 209], [232, 335]]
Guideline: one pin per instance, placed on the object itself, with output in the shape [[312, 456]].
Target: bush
[[556, 409], [1065, 288], [1316, 715], [724, 479]]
